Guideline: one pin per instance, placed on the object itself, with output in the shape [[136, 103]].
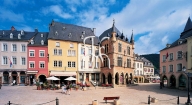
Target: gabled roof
[[108, 32], [188, 25], [70, 32], [41, 36], [185, 34], [5, 35]]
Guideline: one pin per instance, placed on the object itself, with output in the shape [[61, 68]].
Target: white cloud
[[58, 10], [11, 16], [164, 20], [25, 28]]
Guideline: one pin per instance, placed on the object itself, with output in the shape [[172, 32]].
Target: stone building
[[118, 57]]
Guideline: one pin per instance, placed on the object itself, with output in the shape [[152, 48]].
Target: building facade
[[14, 55], [37, 68], [118, 57], [174, 59], [138, 71]]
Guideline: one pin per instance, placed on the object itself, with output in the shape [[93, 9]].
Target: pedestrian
[[68, 89], [83, 84], [0, 85], [161, 85], [14, 82]]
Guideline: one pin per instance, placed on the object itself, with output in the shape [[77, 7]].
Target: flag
[[167, 55], [10, 63]]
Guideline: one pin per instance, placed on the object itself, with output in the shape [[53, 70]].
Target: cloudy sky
[[154, 22]]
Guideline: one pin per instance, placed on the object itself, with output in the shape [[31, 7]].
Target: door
[[0, 80], [87, 77]]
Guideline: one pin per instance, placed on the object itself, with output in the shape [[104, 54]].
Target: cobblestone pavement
[[131, 95]]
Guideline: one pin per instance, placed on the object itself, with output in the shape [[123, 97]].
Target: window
[[4, 47], [57, 44], [90, 64], [105, 60], [164, 69], [106, 48], [170, 68], [60, 51], [71, 52], [31, 53], [14, 60], [55, 51], [171, 56], [31, 64], [129, 63], [69, 64], [41, 64], [96, 52], [141, 73], [23, 48], [5, 62], [71, 45], [60, 63], [22, 60], [119, 47], [137, 72], [41, 53], [14, 47], [82, 51], [137, 65], [55, 63], [82, 64], [164, 58], [119, 61], [179, 67], [128, 50], [90, 51], [73, 64], [140, 65], [179, 55]]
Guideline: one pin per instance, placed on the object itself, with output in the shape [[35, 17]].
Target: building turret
[[132, 40], [113, 33]]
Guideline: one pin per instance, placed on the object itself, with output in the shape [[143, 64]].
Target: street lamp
[[188, 76]]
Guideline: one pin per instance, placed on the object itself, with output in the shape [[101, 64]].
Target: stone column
[[10, 78], [18, 78]]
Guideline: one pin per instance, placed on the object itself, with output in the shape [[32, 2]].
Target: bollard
[[9, 103], [149, 100], [57, 101], [178, 100]]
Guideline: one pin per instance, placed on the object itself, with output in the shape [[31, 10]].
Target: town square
[[99, 52]]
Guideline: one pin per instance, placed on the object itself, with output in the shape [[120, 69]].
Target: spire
[[113, 27], [132, 39], [188, 25]]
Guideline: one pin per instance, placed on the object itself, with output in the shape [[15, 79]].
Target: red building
[[37, 68]]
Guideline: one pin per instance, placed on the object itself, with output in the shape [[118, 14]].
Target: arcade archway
[[109, 78]]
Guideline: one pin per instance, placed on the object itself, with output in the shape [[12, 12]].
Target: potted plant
[[38, 85]]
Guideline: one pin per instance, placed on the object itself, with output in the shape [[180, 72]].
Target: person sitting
[[14, 82]]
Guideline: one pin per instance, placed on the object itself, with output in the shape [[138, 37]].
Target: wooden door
[[87, 77]]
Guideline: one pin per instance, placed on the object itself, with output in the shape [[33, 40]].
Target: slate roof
[[143, 59], [70, 32], [119, 35], [185, 34], [5, 35], [38, 38]]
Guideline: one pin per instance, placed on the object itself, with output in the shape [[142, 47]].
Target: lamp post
[[188, 76]]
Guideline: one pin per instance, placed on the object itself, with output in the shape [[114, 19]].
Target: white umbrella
[[52, 78], [70, 78]]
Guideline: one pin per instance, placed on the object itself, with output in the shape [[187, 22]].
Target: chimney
[[12, 28], [36, 30], [94, 29]]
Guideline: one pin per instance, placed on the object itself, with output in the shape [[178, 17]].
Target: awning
[[32, 72], [62, 73]]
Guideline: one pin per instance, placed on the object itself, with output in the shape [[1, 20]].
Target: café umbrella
[[70, 78], [52, 78]]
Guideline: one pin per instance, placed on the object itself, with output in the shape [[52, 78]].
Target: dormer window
[[22, 32], [56, 33], [71, 45], [3, 32], [19, 36], [168, 45], [41, 35], [64, 28], [180, 41], [69, 35], [11, 35], [42, 42], [82, 37], [32, 42], [57, 44]]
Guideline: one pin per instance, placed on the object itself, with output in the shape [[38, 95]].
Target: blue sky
[[154, 22]]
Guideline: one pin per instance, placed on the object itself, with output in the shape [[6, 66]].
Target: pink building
[[173, 60], [37, 68]]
